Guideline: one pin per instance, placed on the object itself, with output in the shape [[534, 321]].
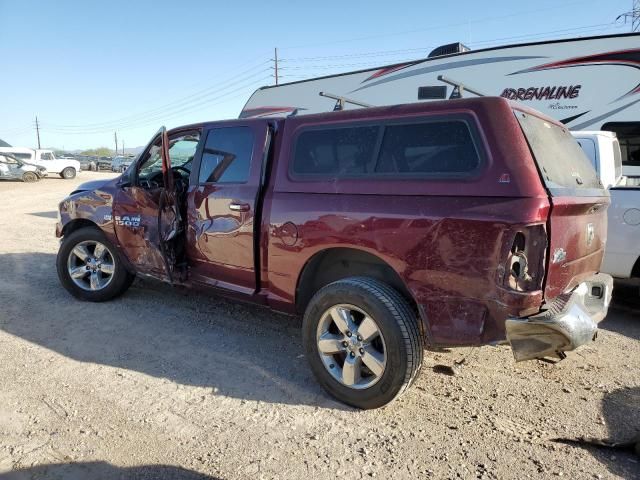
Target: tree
[[98, 152]]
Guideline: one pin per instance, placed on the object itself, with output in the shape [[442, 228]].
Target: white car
[[64, 167], [13, 169]]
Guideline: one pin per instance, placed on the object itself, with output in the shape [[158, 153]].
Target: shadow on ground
[[103, 471], [620, 451], [192, 338], [51, 214]]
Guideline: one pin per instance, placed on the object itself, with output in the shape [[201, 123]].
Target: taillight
[[523, 270]]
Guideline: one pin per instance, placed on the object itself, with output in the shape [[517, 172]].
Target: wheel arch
[[77, 224], [335, 263]]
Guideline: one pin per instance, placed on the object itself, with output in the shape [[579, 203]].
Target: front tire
[[68, 173], [29, 177], [89, 266], [362, 341]]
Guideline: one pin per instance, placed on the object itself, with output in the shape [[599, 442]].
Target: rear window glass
[[561, 161], [431, 148]]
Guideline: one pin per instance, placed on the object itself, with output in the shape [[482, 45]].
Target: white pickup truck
[[65, 167], [622, 254]]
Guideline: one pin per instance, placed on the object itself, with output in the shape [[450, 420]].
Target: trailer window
[[435, 148], [227, 155], [628, 134]]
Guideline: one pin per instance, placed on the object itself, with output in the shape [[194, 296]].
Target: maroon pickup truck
[[454, 223]]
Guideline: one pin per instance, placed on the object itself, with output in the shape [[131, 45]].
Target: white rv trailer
[[590, 83]]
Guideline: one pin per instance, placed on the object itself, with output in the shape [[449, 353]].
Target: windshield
[[562, 163]]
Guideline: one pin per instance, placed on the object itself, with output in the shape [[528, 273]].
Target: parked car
[[453, 223], [622, 255], [66, 168], [87, 163], [121, 163], [12, 168], [103, 163]]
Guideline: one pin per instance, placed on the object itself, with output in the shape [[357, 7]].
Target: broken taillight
[[524, 267]]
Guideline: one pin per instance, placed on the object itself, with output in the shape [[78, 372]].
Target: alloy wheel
[[351, 346], [91, 265]]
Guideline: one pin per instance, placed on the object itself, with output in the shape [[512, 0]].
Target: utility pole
[[115, 136], [123, 148], [633, 16], [38, 132], [275, 59]]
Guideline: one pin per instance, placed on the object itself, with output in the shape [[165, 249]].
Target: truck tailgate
[[578, 233], [577, 222]]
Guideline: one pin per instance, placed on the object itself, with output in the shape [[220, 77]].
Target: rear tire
[[396, 344], [29, 177], [77, 274], [68, 173]]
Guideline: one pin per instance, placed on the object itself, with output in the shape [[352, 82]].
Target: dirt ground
[[165, 383]]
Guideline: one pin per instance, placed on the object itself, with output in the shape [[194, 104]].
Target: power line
[[194, 103], [156, 119], [373, 63], [441, 26], [203, 93]]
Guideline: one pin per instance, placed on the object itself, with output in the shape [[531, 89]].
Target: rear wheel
[[362, 341], [68, 173], [29, 177], [90, 268]]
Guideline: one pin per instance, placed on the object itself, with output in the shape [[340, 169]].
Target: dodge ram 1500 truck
[[454, 223]]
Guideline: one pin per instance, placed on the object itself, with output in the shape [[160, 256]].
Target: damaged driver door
[[146, 214]]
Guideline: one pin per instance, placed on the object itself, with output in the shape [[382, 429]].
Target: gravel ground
[[167, 383]]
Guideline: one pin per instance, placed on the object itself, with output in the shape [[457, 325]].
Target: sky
[[88, 69]]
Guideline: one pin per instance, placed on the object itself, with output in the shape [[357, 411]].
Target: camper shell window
[[560, 159], [435, 148]]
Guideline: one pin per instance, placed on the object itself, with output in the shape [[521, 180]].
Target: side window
[[46, 156], [431, 148], [226, 157], [181, 152], [23, 156], [335, 152], [628, 134]]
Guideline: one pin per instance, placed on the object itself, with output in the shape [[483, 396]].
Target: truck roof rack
[[341, 101]]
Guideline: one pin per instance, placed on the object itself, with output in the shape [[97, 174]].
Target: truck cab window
[[181, 152], [46, 156], [227, 155]]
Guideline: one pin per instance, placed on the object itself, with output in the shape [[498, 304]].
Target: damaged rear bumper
[[568, 322]]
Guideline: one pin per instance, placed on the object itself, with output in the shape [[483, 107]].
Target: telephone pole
[[123, 147], [38, 132], [275, 60], [115, 136]]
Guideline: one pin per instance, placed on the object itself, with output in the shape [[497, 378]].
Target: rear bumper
[[568, 322]]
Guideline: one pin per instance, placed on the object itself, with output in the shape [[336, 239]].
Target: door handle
[[239, 207]]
